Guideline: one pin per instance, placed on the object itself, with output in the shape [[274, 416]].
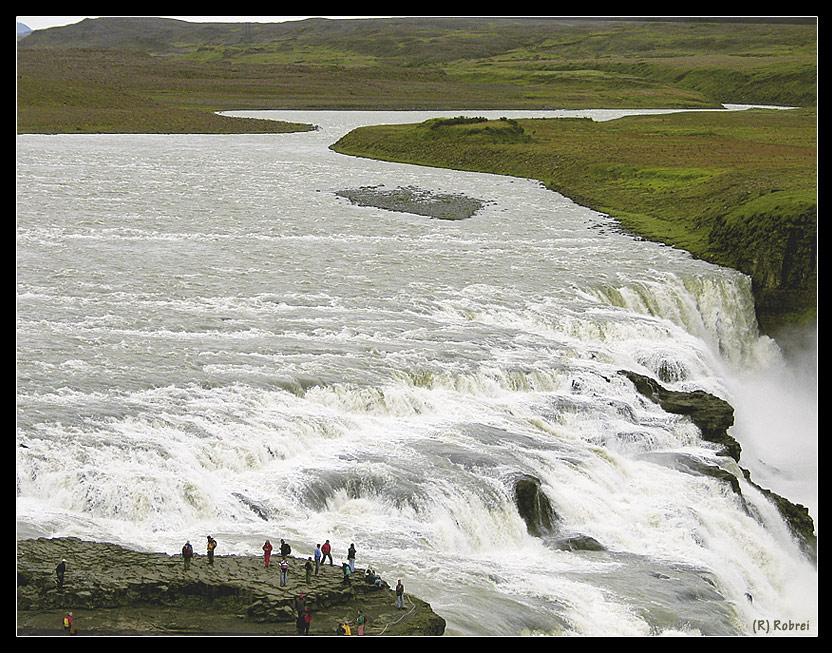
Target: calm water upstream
[[204, 326]]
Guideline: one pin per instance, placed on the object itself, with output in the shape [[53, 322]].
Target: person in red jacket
[[267, 552], [326, 550], [307, 620]]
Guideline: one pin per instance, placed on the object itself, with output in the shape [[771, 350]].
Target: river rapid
[[211, 340]]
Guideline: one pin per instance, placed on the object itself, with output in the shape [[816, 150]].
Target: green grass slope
[[98, 68], [735, 188]]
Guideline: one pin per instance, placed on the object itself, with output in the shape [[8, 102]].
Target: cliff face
[[776, 246], [113, 590]]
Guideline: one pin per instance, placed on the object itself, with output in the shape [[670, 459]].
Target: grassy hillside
[[738, 189], [734, 188], [86, 77]]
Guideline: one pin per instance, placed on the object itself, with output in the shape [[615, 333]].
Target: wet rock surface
[[441, 206], [714, 416], [112, 590]]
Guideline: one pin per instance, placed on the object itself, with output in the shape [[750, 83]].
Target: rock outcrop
[[534, 506], [714, 417], [114, 590]]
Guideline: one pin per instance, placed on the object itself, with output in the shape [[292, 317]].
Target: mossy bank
[[736, 188], [112, 590]]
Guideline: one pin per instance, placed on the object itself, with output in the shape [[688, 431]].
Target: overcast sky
[[42, 22]]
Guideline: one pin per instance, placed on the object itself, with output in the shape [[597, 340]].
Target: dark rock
[[579, 543], [114, 590], [691, 464], [441, 206], [712, 415], [257, 508], [534, 506], [797, 518]]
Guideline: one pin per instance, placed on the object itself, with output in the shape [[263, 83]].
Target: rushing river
[[210, 340]]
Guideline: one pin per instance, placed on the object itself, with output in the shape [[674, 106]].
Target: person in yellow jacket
[[212, 544]]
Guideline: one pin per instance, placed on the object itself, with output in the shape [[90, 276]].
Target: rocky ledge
[[713, 416], [112, 590]]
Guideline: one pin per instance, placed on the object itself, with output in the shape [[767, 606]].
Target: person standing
[[308, 566], [400, 595], [307, 621], [285, 549], [284, 571], [351, 557], [267, 552], [68, 623], [362, 619], [60, 570], [326, 550], [318, 555], [212, 545], [187, 554], [300, 605]]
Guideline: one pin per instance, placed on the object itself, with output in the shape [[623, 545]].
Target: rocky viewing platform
[[111, 590]]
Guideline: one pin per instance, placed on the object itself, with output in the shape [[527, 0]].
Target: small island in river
[[442, 206]]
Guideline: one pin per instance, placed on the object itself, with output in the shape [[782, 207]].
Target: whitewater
[[210, 340]]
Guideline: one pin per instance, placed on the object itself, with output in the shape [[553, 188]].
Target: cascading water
[[210, 339]]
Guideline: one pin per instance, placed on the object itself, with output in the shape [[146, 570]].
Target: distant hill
[[23, 31], [84, 76], [418, 40], [155, 75]]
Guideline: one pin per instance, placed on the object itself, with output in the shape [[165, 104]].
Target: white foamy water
[[207, 334]]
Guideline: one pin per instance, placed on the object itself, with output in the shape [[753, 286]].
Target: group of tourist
[[312, 565], [323, 552]]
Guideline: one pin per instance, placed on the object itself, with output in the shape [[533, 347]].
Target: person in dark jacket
[[60, 570], [187, 554], [400, 595]]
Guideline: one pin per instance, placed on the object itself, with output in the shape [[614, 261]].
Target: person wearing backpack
[[284, 571], [187, 554], [212, 545]]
